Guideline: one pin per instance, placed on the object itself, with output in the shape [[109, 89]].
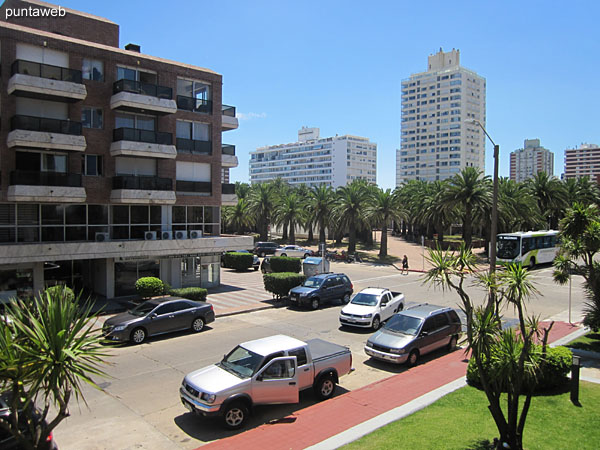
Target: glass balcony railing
[[31, 123], [200, 187], [136, 135], [228, 149], [142, 182], [45, 71], [33, 178], [227, 110], [228, 188], [194, 104], [194, 147], [137, 87]]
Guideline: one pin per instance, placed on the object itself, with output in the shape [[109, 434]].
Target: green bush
[[191, 293], [285, 264], [237, 260], [552, 371], [149, 287], [281, 283], [61, 290]]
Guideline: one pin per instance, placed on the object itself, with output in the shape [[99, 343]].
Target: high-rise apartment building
[[333, 161], [111, 160], [437, 105], [528, 161], [583, 162]]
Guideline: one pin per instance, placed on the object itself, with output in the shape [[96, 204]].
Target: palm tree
[[290, 212], [383, 208], [261, 205], [238, 217], [434, 209], [550, 196], [581, 190], [241, 190], [349, 211], [517, 209], [320, 203]]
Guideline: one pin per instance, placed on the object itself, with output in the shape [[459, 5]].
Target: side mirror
[[259, 378], [153, 316], [424, 333], [383, 304]]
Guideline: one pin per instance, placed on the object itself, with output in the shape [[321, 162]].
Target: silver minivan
[[414, 332]]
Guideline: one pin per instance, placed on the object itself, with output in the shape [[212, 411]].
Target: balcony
[[148, 98], [194, 187], [41, 132], [228, 197], [142, 189], [143, 143], [228, 158], [194, 147], [32, 186], [194, 104], [229, 121], [45, 82]]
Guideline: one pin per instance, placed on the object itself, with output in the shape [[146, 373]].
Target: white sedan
[[294, 251]]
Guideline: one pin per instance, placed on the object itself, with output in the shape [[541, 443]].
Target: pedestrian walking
[[405, 264]]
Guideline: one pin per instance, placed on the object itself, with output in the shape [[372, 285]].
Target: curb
[[569, 337]]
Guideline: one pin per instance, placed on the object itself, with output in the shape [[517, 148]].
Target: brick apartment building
[[111, 161]]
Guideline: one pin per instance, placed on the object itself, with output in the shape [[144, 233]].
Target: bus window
[[526, 245]]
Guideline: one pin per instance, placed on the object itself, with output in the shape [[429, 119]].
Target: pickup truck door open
[[276, 382]]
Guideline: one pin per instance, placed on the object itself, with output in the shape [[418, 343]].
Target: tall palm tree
[[517, 209], [349, 211], [320, 203], [434, 209], [580, 190], [383, 208], [289, 213], [261, 204], [241, 189], [238, 216], [550, 196]]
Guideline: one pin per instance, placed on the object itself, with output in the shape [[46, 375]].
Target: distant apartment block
[[583, 162], [333, 161], [528, 161], [437, 142]]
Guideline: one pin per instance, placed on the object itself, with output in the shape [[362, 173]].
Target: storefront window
[[15, 283], [128, 272]]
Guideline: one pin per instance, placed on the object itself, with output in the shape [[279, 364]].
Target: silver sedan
[[293, 251]]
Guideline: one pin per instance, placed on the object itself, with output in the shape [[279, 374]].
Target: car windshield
[[401, 323], [142, 309], [365, 299], [508, 247], [241, 362], [313, 282]]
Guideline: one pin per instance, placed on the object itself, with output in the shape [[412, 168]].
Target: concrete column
[[110, 278], [176, 272], [38, 277]]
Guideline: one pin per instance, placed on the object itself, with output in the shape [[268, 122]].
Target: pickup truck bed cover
[[320, 349]]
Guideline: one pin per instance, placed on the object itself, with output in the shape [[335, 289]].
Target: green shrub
[[552, 371], [149, 287], [281, 283], [61, 290], [191, 293], [285, 264], [237, 260]]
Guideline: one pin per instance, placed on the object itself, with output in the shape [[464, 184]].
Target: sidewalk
[[347, 417]]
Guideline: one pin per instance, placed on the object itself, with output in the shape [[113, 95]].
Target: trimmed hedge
[[285, 264], [149, 287], [281, 283], [237, 260], [553, 369], [191, 293], [60, 290]]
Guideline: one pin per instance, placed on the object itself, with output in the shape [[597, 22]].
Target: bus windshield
[[508, 247]]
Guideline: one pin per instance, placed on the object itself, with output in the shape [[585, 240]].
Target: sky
[[338, 65]]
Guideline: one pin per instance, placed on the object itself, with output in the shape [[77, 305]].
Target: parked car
[[7, 440], [322, 288], [371, 307], [263, 249], [412, 333], [255, 260], [158, 316], [271, 370], [265, 265], [294, 251]]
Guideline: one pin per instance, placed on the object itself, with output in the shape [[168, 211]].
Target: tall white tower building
[[437, 142], [528, 161]]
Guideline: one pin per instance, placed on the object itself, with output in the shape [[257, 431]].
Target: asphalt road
[[139, 406]]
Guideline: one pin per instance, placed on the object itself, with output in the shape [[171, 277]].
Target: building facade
[[583, 162], [333, 161], [111, 161], [437, 140], [530, 160]]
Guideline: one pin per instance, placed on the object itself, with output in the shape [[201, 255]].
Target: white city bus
[[527, 247]]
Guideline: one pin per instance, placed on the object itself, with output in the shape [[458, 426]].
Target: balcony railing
[[194, 147], [228, 149], [137, 87], [194, 104], [228, 188], [136, 135], [33, 178], [204, 187], [227, 110], [45, 71], [142, 182], [31, 123]]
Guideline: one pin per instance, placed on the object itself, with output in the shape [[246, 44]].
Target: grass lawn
[[461, 420], [589, 342]]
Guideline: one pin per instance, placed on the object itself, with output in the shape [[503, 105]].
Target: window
[[135, 121], [193, 89], [193, 130], [45, 162], [91, 165], [125, 73], [92, 70], [300, 355], [91, 117]]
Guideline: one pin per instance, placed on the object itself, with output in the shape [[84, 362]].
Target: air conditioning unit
[[166, 235], [150, 235], [195, 234], [102, 237], [181, 234]]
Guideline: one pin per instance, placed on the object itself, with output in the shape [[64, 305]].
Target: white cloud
[[250, 115]]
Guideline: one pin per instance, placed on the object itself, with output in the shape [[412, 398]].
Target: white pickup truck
[[370, 307], [271, 370]]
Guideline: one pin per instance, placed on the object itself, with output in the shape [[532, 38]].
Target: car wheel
[[413, 358], [306, 255], [138, 336], [346, 298], [325, 387], [262, 254], [283, 254], [198, 324], [315, 303], [263, 270], [235, 415], [452, 343], [376, 323]]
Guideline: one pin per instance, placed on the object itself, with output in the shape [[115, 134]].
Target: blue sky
[[337, 65]]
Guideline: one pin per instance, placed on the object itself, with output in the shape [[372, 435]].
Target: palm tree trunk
[[352, 238], [383, 243], [292, 238], [468, 227], [285, 232], [321, 230], [311, 236]]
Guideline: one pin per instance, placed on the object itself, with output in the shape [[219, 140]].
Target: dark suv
[[321, 289], [265, 248]]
